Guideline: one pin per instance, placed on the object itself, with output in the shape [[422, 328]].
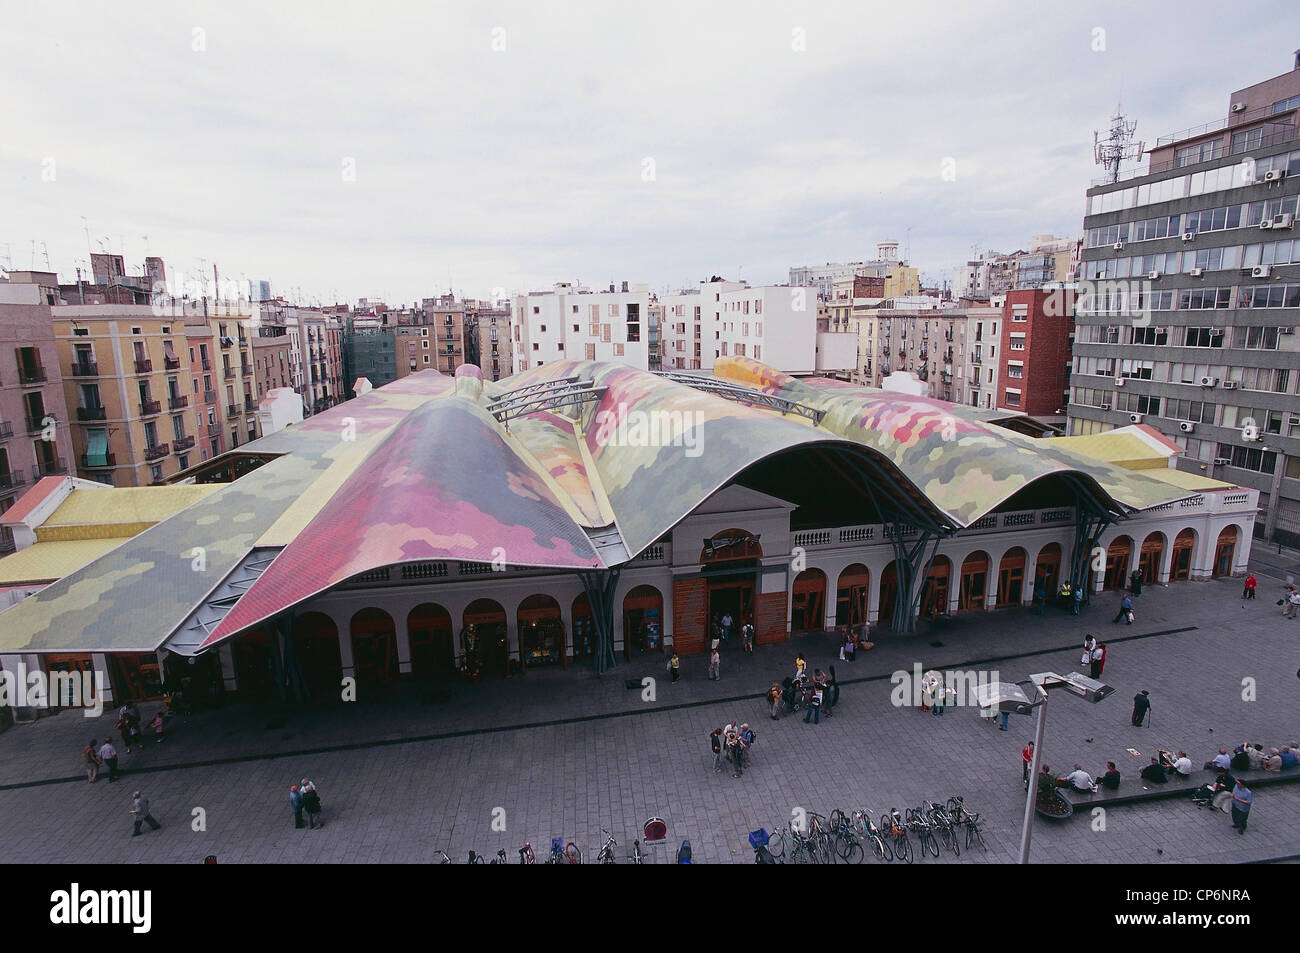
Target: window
[[1204, 337], [618, 350], [613, 310], [542, 328], [1151, 335], [1017, 343], [1249, 458], [1285, 105], [575, 327], [536, 310], [1269, 296], [535, 347], [1200, 152], [1012, 398], [424, 343], [1194, 299], [1245, 141]]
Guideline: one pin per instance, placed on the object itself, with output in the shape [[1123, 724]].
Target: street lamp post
[[1024, 697]]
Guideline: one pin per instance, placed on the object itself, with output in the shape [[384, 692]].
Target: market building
[[586, 513]]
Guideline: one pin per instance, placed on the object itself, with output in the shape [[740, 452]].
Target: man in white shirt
[[1081, 780], [1182, 765], [108, 754]]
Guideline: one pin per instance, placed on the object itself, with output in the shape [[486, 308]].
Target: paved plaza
[[563, 753]]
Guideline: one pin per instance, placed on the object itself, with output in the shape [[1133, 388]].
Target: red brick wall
[[1046, 353]]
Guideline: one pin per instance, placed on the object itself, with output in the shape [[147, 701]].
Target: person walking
[[1141, 707], [1098, 653], [833, 688], [747, 637], [1040, 595], [140, 811], [715, 665], [1125, 610], [774, 699], [1242, 799], [1027, 758], [295, 804], [1076, 603], [124, 728], [157, 726], [675, 666], [800, 667], [108, 755], [91, 761], [1248, 587], [726, 627]]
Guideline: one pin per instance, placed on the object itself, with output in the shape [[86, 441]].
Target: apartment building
[[571, 322], [35, 437], [209, 425], [899, 278], [1187, 315], [1034, 361]]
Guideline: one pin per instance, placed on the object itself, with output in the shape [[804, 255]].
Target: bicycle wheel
[[973, 834], [572, 854], [881, 849], [776, 843], [945, 836], [850, 850], [837, 820], [903, 848], [954, 807]]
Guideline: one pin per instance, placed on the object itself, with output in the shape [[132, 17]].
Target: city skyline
[[479, 151]]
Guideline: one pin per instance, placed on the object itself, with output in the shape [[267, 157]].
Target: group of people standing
[[303, 796], [97, 755], [732, 743]]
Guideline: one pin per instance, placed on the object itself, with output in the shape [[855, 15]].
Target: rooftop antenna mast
[[1118, 146]]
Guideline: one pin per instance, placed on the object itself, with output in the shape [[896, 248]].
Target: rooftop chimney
[[1297, 59], [611, 287], [625, 286]]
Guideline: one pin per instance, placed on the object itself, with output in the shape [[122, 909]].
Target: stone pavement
[[565, 753]]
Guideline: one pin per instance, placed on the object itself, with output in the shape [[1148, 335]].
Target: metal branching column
[[600, 585], [1090, 521], [911, 567]]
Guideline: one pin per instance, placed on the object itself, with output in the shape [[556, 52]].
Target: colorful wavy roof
[[423, 469]]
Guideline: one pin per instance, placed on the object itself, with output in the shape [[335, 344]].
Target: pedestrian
[[747, 738], [1098, 653], [311, 802], [814, 706], [832, 686], [774, 699], [715, 744], [715, 664], [132, 711], [800, 666], [747, 637], [1292, 603], [140, 811], [295, 804], [157, 726], [1089, 643], [1125, 610], [1141, 707], [1076, 603], [1040, 595], [1242, 799], [675, 666], [123, 727], [1101, 663], [91, 761], [1027, 757], [726, 627], [1135, 582], [108, 755], [940, 698], [1248, 587], [850, 645]]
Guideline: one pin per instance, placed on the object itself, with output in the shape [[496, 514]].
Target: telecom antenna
[[1118, 146]]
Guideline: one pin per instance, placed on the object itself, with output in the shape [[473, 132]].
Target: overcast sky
[[397, 150]]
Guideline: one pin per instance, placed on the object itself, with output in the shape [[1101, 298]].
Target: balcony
[[226, 342], [156, 452], [206, 364], [11, 481], [232, 410], [6, 430], [245, 369], [976, 359], [91, 413], [182, 444], [85, 369], [150, 407], [177, 402], [144, 367], [250, 405], [209, 397], [84, 463], [171, 363], [37, 424], [228, 373], [31, 376], [54, 467]]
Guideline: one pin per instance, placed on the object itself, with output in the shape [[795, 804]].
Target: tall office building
[[1191, 296]]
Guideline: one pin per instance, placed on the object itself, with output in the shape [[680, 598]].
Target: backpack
[[750, 736]]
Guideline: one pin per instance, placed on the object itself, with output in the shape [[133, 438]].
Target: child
[[157, 726]]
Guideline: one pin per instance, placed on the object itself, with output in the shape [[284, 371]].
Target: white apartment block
[[571, 322]]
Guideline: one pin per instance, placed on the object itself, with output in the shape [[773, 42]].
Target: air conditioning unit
[[1229, 385], [1118, 246], [1267, 223], [1119, 382], [1285, 220], [1209, 381], [1290, 330], [1221, 461], [1261, 271], [1187, 426], [1239, 107], [1152, 275], [1105, 405], [1274, 175], [1196, 272], [1189, 236], [1135, 418]]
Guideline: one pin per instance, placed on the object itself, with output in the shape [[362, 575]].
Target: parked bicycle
[[848, 848], [636, 856], [897, 830], [873, 835], [606, 853], [562, 853], [943, 825], [918, 823], [958, 810], [526, 855], [500, 858]]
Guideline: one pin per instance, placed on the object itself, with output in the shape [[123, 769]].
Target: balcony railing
[[37, 424], [144, 367], [232, 410], [182, 444], [250, 405], [206, 364], [44, 468], [209, 397], [91, 413], [6, 430], [177, 402], [228, 373], [150, 407], [157, 451], [245, 369], [171, 363], [12, 480], [31, 376], [108, 461], [85, 369]]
